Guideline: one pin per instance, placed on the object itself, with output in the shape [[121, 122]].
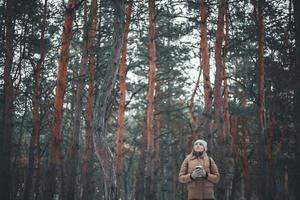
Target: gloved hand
[[196, 173], [199, 172], [202, 172]]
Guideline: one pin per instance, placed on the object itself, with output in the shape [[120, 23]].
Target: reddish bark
[[122, 76], [263, 167], [35, 135], [226, 109], [219, 68], [150, 100], [61, 84], [157, 129], [88, 142], [72, 159], [225, 102], [151, 73], [55, 157], [204, 65], [157, 120], [204, 55]]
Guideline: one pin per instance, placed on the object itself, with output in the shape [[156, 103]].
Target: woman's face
[[198, 147]]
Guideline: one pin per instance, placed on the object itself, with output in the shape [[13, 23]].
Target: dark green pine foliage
[[279, 68], [172, 77], [177, 50], [297, 90]]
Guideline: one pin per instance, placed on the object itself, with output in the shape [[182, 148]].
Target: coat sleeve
[[184, 176], [214, 175]]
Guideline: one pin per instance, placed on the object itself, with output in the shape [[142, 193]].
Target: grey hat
[[202, 142]]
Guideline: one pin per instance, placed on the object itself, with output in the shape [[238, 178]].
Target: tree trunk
[[297, 92], [221, 150], [151, 74], [226, 128], [150, 99], [140, 174], [204, 63], [54, 162], [101, 111], [121, 114], [8, 112], [219, 69], [226, 108], [88, 148], [73, 147], [262, 159], [35, 136], [156, 158]]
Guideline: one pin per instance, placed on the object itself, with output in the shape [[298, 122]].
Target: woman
[[200, 172]]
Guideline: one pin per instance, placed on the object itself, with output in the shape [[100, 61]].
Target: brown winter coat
[[200, 188]]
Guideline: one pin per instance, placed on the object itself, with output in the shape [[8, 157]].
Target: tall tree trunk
[[219, 69], [226, 108], [88, 142], [297, 92], [121, 114], [73, 147], [221, 150], [262, 159], [140, 174], [150, 99], [226, 128], [55, 162], [88, 148], [151, 74], [35, 136], [157, 129], [204, 64], [8, 112], [101, 111]]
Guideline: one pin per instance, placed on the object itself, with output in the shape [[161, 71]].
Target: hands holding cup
[[199, 172]]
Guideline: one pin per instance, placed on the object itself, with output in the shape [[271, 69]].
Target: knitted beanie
[[202, 142]]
